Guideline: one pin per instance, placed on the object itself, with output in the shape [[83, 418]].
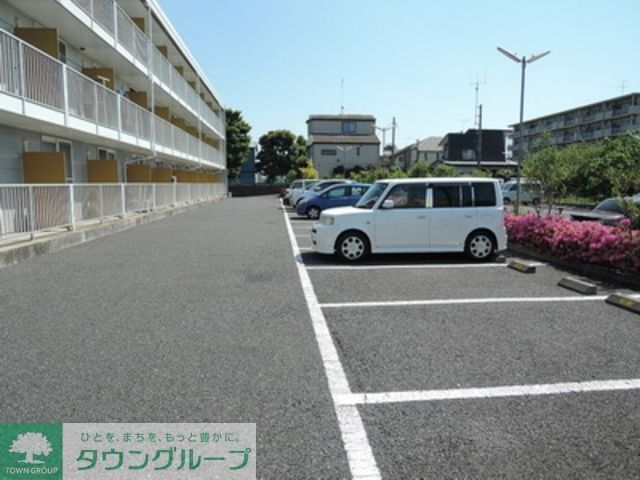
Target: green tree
[[278, 154], [419, 169], [480, 172], [238, 140], [442, 170], [550, 166]]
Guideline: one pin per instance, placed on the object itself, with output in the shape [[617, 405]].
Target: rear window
[[484, 194]]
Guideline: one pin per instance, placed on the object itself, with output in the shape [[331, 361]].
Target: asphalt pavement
[[197, 318], [405, 366]]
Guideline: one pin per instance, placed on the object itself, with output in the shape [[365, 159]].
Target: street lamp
[[523, 61]]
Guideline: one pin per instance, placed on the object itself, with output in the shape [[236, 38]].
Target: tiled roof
[[348, 139]]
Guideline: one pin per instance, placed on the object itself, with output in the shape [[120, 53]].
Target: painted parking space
[[431, 347], [592, 435], [484, 345], [380, 285]]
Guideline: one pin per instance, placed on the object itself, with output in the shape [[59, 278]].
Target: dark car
[[607, 212]]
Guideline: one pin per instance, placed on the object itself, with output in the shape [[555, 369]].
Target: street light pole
[[523, 61]]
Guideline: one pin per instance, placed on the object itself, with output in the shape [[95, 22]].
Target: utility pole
[[393, 136], [479, 147]]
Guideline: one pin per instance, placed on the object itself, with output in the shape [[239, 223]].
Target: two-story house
[[338, 143]]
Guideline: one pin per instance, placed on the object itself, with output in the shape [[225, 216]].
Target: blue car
[[341, 195]]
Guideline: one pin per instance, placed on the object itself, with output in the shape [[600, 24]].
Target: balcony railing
[[28, 209], [32, 75], [127, 34]]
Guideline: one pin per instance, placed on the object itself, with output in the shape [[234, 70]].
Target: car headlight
[[327, 220]]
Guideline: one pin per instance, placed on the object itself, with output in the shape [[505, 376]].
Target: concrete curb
[[22, 252], [593, 271]]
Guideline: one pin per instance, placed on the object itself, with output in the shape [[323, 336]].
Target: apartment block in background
[[338, 143], [103, 91], [588, 123]]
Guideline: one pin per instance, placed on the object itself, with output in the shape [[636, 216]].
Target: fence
[[27, 209]]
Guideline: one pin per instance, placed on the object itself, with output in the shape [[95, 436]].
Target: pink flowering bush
[[589, 242]]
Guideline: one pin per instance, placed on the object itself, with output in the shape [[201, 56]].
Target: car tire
[[535, 202], [313, 212], [352, 246], [506, 201], [480, 246]]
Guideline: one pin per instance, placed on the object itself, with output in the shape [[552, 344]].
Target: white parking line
[[489, 392], [362, 463], [416, 265], [458, 301]]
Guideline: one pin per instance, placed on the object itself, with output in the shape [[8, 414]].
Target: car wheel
[[313, 213], [480, 246], [352, 246], [536, 201], [506, 200]]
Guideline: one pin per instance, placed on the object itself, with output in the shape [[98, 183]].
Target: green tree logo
[[31, 443]]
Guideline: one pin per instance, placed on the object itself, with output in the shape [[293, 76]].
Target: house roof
[[344, 116], [348, 139], [428, 144]]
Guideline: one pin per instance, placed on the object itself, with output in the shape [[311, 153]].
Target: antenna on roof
[[477, 84], [623, 86], [341, 96]]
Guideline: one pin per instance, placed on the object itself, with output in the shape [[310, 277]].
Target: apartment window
[[328, 152], [358, 151], [106, 154], [348, 127]]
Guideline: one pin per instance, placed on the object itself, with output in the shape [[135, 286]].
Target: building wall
[[14, 141], [348, 159], [334, 127]]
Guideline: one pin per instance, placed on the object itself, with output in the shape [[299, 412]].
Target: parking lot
[[439, 368]]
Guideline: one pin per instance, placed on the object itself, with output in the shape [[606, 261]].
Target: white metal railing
[[136, 42], [28, 209], [42, 76], [34, 76], [82, 96]]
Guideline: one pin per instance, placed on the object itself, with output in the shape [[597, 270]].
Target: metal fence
[[28, 209]]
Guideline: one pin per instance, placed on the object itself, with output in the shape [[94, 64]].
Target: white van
[[417, 215], [296, 188]]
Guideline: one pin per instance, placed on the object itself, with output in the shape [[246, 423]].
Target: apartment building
[[99, 91], [587, 123], [338, 143]]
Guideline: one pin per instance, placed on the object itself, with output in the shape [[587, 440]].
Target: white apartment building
[[99, 91], [587, 123]]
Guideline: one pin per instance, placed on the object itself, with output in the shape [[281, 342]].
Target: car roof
[[439, 180]]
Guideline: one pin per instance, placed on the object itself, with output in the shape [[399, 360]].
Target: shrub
[[590, 242]]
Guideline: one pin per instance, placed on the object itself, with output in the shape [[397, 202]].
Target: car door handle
[[468, 216], [422, 217]]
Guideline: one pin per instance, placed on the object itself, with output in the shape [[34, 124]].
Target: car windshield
[[609, 205], [370, 198]]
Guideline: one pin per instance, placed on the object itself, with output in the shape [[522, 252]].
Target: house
[[338, 143], [427, 150], [587, 123], [104, 91], [460, 150]]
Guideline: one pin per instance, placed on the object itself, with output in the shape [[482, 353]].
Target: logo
[[30, 451]]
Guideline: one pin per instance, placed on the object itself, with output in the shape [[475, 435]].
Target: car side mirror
[[388, 204]]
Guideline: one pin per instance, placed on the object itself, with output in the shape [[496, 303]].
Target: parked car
[[416, 216], [530, 191], [296, 187], [607, 212], [331, 197], [314, 190]]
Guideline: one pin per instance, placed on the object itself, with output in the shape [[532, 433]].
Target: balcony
[[132, 42], [36, 85]]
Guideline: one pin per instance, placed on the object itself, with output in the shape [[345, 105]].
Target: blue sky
[[280, 60]]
